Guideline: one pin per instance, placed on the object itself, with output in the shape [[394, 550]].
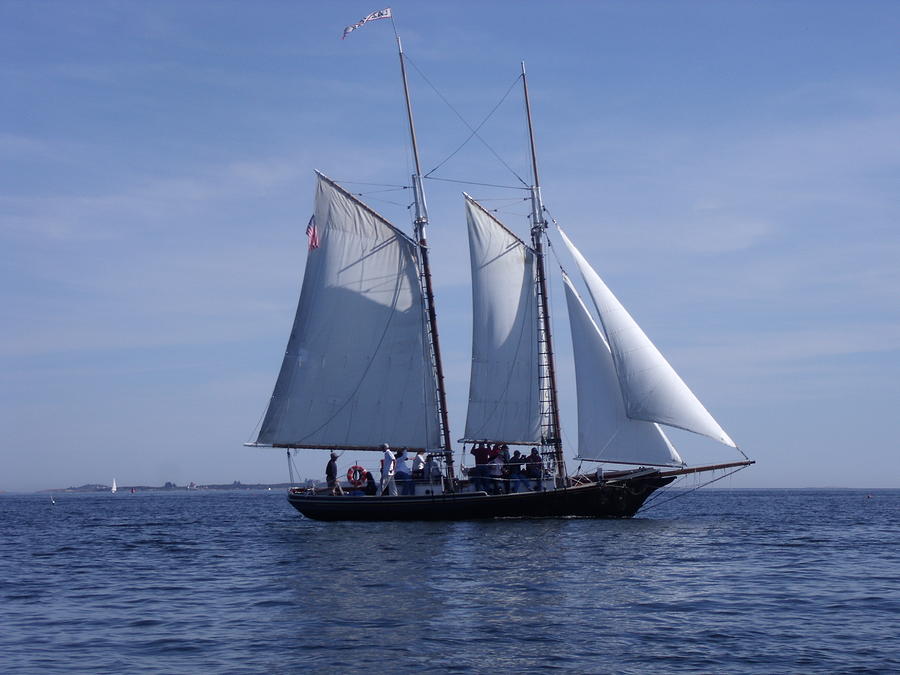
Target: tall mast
[[420, 225], [548, 371]]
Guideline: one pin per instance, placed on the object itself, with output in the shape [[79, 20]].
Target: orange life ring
[[356, 475]]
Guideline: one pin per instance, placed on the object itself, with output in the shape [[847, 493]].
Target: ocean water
[[737, 581]]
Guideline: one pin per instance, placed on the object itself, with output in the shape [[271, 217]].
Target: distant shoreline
[[193, 487]]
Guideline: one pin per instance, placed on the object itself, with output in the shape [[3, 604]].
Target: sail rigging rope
[[550, 243], [375, 192], [259, 422], [469, 126], [369, 196], [385, 201], [653, 503], [556, 257], [508, 212], [475, 133], [504, 208], [472, 182], [359, 182], [291, 466], [482, 200]]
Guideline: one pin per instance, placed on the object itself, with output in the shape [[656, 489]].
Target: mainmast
[[420, 224], [549, 398]]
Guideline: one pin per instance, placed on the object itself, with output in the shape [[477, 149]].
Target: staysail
[[605, 432], [504, 397], [357, 369], [650, 387]]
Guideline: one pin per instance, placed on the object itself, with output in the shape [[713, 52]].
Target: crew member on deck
[[371, 487], [495, 475], [331, 476], [534, 468], [479, 471], [432, 471], [388, 466], [401, 473], [418, 468], [514, 468]]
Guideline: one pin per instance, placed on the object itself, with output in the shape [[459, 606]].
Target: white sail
[[651, 388], [504, 398], [357, 371], [605, 432], [113, 488]]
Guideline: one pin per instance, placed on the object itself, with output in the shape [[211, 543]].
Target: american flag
[[312, 234]]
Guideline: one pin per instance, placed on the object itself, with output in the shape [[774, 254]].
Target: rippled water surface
[[763, 581]]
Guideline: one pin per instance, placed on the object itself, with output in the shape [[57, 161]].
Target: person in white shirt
[[402, 472], [419, 465], [495, 472], [388, 467], [418, 474], [432, 470]]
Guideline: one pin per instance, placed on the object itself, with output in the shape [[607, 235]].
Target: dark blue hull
[[621, 499]]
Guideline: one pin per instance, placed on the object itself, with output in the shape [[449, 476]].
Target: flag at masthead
[[380, 14]]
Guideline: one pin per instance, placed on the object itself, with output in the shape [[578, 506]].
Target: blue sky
[[730, 169]]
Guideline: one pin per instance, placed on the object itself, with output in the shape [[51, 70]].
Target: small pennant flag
[[380, 14], [312, 234]]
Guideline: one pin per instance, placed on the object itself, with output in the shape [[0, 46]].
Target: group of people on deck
[[498, 472], [395, 471], [396, 475], [495, 471]]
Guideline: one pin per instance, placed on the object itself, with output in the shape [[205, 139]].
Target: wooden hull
[[621, 499]]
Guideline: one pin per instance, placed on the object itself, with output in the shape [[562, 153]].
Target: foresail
[[357, 368], [504, 398], [650, 387], [605, 432]]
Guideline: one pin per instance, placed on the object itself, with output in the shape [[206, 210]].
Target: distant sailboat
[[114, 488]]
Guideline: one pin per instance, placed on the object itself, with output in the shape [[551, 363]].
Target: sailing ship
[[363, 368], [113, 489]]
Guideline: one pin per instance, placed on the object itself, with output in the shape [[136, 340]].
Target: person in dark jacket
[[331, 476], [534, 468], [371, 487], [478, 473], [514, 468]]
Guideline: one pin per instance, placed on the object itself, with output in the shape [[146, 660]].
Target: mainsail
[[357, 370], [605, 433], [651, 388], [504, 397]]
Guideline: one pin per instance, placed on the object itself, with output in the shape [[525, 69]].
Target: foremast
[[550, 431], [420, 225]]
